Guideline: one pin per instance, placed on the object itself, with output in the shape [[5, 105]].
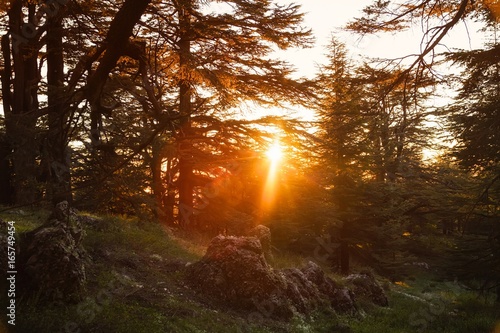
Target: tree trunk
[[345, 186], [185, 180], [169, 198], [20, 121], [59, 186], [6, 174], [161, 190], [117, 40], [6, 192]]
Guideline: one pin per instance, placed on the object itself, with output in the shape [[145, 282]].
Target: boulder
[[234, 272], [365, 285], [340, 298], [90, 222], [263, 233], [52, 258], [301, 292]]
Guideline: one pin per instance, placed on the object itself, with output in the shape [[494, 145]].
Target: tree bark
[[117, 39], [162, 182], [59, 186], [6, 192], [20, 121], [185, 180]]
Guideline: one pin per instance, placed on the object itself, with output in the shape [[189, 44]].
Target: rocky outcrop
[[340, 298], [365, 285], [234, 272], [302, 293], [52, 258], [263, 234]]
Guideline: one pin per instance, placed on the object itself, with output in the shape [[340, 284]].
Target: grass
[[26, 219], [442, 307], [133, 286]]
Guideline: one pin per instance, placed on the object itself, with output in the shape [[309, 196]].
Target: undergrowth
[[133, 287]]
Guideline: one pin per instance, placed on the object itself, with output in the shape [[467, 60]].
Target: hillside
[[136, 283]]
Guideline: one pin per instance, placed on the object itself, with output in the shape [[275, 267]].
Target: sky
[[325, 17]]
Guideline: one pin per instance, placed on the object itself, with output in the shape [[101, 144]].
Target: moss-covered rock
[[52, 258], [365, 285], [234, 272]]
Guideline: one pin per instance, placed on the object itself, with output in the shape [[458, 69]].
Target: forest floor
[[134, 285]]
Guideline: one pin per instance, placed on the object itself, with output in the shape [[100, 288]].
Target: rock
[[62, 212], [341, 299], [366, 285], [234, 272], [89, 221], [302, 293], [263, 233], [52, 259]]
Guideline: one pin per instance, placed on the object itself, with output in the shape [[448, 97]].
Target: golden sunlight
[[274, 154]]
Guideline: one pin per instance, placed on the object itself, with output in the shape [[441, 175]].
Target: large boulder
[[301, 292], [52, 258], [341, 299], [365, 285], [234, 272], [263, 233]]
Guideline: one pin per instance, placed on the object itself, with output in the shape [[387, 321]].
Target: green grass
[[133, 288], [443, 307], [26, 219], [131, 236]]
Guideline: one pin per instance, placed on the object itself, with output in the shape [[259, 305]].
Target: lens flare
[[274, 155]]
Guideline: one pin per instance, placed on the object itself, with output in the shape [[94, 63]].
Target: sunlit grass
[[131, 246], [26, 219], [443, 308]]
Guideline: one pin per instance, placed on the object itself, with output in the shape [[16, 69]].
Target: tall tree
[[373, 136], [474, 120], [57, 137], [31, 27], [437, 17], [216, 60], [20, 88]]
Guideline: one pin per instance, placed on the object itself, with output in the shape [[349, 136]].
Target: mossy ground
[[135, 285]]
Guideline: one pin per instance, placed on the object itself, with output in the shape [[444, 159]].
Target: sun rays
[[274, 155]]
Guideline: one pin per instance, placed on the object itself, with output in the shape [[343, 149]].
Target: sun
[[275, 152]]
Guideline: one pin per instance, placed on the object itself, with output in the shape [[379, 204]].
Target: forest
[[134, 134]]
